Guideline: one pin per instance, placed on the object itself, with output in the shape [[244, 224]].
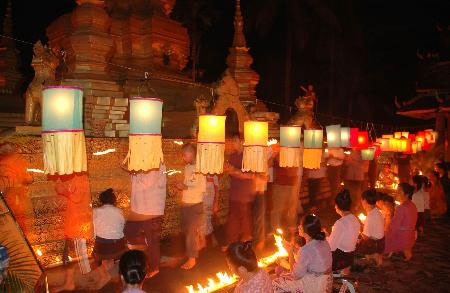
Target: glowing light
[[178, 142], [172, 172], [397, 202], [61, 105], [326, 150], [225, 280], [104, 152], [342, 184], [69, 257], [35, 171], [362, 217], [347, 152], [420, 173], [272, 142], [38, 252]]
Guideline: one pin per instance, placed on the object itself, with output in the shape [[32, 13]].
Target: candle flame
[[362, 217], [397, 202], [172, 172], [225, 280], [104, 152], [38, 252], [326, 150], [35, 171], [420, 173], [178, 142], [342, 184], [347, 152]]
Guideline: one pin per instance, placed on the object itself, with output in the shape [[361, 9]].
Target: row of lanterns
[[65, 151]]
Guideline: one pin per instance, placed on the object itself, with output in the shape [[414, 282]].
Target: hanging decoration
[[290, 143], [363, 140], [334, 136], [211, 144], [63, 138], [255, 146], [312, 153], [345, 137], [368, 154], [354, 137], [145, 144]]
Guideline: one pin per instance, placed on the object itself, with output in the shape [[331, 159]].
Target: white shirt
[[338, 157], [418, 199], [108, 222], [148, 192], [426, 200], [374, 224], [196, 185], [344, 234]]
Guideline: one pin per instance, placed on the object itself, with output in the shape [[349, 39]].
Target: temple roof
[[426, 104]]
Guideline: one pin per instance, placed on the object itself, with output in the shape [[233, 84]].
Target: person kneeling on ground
[[109, 222], [371, 243], [344, 233], [311, 265], [132, 269], [242, 261], [401, 235]]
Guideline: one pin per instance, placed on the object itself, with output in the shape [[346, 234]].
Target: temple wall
[[44, 224]]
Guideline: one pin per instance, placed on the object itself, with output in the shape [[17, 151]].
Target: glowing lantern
[[354, 137], [210, 144], [368, 154], [290, 146], [397, 135], [377, 151], [312, 154], [255, 146], [387, 136], [414, 147], [405, 134], [345, 137], [144, 146], [423, 144], [384, 144], [362, 141], [404, 145], [62, 130], [429, 136], [334, 136]]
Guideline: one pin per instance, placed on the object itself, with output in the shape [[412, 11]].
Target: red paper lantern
[[354, 137], [362, 142]]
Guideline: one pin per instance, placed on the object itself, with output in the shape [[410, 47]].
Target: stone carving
[[201, 106], [305, 110], [44, 63], [227, 92]]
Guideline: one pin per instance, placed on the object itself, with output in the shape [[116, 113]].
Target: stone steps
[[11, 119]]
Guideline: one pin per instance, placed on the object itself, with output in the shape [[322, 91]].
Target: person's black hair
[[407, 189], [418, 181], [108, 197], [241, 254], [343, 200], [426, 182], [133, 267], [385, 197], [370, 196], [311, 226], [189, 147], [442, 166]]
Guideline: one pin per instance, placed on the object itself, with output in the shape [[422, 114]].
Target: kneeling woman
[[344, 233], [311, 267], [108, 229], [242, 261]]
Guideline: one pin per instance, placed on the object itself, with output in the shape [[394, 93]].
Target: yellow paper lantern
[[312, 158], [256, 135], [63, 138], [387, 136], [405, 134], [290, 143], [210, 144], [144, 138], [384, 144], [398, 135]]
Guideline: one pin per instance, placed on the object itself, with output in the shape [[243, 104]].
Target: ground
[[428, 271]]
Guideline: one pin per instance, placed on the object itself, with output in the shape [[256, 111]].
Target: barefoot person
[[311, 264], [133, 269], [148, 200], [192, 216], [242, 261], [109, 222], [344, 234], [401, 235], [371, 243]]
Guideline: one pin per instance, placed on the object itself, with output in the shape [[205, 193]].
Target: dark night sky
[[358, 54]]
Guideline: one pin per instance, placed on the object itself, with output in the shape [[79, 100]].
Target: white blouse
[[196, 185], [108, 222], [374, 224], [418, 199], [344, 234]]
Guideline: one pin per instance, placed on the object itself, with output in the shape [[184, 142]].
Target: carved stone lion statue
[[44, 64], [304, 116]]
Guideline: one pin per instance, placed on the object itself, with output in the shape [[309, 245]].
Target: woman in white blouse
[[311, 265], [344, 233], [108, 231]]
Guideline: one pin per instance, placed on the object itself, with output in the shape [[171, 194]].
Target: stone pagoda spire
[[239, 61], [10, 77]]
